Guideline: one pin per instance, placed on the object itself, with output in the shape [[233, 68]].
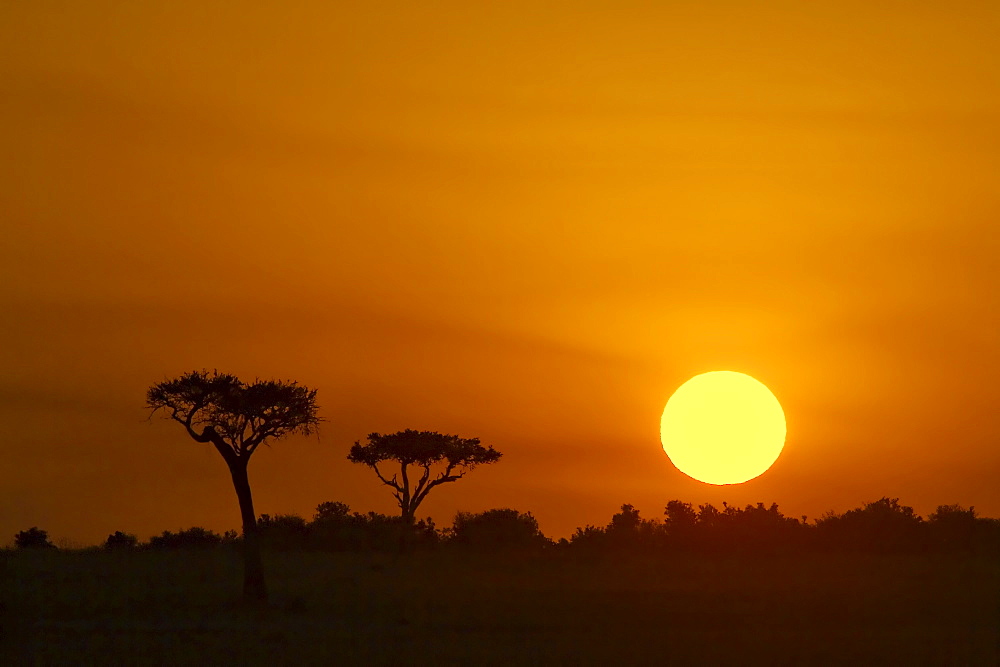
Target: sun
[[723, 427]]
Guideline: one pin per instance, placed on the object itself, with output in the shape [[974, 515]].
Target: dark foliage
[[198, 538], [681, 519], [33, 538], [438, 459], [758, 528], [235, 415], [627, 528], [332, 511], [498, 529], [121, 541], [283, 531], [335, 528], [881, 525], [952, 527], [626, 531]]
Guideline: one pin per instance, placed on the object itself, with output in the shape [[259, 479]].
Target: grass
[[448, 608]]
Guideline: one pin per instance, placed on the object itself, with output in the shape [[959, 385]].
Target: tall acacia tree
[[437, 458], [236, 418]]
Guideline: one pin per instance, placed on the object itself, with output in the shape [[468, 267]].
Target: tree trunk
[[254, 589]]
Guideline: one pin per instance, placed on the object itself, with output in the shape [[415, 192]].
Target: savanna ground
[[455, 608]]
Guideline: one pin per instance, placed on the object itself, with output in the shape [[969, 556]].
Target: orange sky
[[524, 223]]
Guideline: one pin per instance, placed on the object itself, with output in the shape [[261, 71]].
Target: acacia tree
[[437, 458], [236, 418]]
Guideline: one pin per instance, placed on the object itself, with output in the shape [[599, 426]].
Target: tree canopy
[[235, 416]]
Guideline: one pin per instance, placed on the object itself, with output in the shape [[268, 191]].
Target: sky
[[525, 222]]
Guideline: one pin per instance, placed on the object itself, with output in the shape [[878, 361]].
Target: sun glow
[[722, 427]]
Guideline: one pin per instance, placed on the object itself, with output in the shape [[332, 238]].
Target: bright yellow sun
[[722, 428]]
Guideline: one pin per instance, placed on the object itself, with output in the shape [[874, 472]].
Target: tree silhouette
[[33, 538], [236, 418], [332, 511], [121, 540], [680, 520], [424, 450], [628, 530]]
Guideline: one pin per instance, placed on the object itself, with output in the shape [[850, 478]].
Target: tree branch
[[385, 481], [443, 478], [208, 434], [187, 423], [422, 483]]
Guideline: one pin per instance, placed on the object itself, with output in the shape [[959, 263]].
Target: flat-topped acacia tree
[[236, 418], [437, 459]]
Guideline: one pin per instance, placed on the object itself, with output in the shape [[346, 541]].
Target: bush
[[283, 531], [120, 540], [33, 538], [750, 529], [626, 531], [881, 525], [753, 528], [587, 538], [380, 532], [335, 528], [497, 529], [192, 537], [332, 511], [680, 520], [955, 527]]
